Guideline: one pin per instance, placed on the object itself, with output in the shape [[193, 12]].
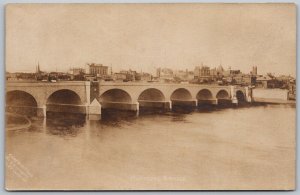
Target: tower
[[254, 70], [38, 68], [158, 72]]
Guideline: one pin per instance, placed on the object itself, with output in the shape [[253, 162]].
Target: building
[[119, 76], [158, 72], [89, 77], [265, 82], [220, 70], [98, 70], [254, 70], [11, 76], [131, 75], [202, 72], [165, 74], [143, 77], [77, 71]]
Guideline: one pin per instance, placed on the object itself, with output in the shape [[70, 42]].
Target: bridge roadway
[[90, 97]]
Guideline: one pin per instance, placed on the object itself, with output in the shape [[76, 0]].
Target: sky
[[144, 37]]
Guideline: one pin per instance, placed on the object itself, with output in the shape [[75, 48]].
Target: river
[[233, 148]]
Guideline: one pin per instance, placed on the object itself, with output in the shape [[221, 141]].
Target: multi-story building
[[254, 71], [119, 76], [98, 70], [165, 74], [204, 74], [130, 74], [77, 71], [143, 77]]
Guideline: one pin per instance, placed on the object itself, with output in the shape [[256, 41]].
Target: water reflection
[[64, 124]]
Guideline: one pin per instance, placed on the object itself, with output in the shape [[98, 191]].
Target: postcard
[[188, 96]]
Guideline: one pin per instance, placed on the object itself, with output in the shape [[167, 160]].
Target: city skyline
[[154, 73], [146, 38]]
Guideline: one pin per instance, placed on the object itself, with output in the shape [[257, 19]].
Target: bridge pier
[[94, 110], [234, 101], [170, 105], [248, 94], [41, 111]]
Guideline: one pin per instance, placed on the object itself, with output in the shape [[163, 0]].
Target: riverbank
[[274, 101], [273, 96]]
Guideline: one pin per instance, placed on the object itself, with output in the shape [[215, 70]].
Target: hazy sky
[[147, 36]]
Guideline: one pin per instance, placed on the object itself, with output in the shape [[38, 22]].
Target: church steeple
[[38, 68]]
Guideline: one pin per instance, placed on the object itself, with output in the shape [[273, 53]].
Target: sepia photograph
[[160, 96]]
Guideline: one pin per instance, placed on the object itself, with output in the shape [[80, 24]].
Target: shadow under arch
[[240, 96], [21, 102], [151, 94], [204, 94], [182, 101], [64, 96], [222, 95], [223, 98], [205, 99], [115, 96], [65, 101], [114, 100], [153, 100], [181, 94]]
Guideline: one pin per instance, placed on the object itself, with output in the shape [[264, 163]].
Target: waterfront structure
[[78, 96]]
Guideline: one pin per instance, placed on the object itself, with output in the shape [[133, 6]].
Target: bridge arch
[[222, 94], [20, 98], [240, 96], [21, 102], [151, 94], [181, 94], [204, 94], [64, 96], [116, 95]]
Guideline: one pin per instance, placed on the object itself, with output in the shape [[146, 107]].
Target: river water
[[233, 148]]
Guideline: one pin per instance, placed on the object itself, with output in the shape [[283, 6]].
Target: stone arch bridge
[[89, 97]]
